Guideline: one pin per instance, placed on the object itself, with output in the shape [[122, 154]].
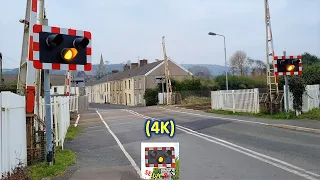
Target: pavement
[[211, 146]]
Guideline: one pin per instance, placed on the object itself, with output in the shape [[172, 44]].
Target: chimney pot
[[143, 62], [126, 67], [134, 65]]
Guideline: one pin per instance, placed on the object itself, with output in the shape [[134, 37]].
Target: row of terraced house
[[128, 87]]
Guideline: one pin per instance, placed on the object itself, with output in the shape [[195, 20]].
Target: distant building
[[57, 83], [128, 87]]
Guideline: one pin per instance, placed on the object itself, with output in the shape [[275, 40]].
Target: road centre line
[[133, 163], [264, 158]]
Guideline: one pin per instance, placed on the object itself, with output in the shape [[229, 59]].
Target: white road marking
[[76, 123], [264, 158], [244, 121], [245, 149], [133, 163]]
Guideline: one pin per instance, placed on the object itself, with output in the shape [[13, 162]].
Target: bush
[[151, 96], [19, 172], [9, 87], [297, 87], [241, 82], [177, 171]]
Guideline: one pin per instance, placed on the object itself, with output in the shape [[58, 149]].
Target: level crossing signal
[[287, 65], [61, 49], [161, 157]]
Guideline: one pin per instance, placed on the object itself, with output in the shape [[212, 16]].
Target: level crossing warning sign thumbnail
[[159, 160]]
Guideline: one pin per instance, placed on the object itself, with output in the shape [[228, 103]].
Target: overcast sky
[[127, 29]]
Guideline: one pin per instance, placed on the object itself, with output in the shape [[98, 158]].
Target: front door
[[125, 97]]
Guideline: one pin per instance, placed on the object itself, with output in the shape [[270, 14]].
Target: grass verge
[[73, 133], [310, 115], [64, 158]]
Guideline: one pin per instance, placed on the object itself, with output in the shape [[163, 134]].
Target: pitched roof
[[56, 80], [138, 71]]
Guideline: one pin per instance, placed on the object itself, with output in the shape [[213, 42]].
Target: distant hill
[[214, 69]]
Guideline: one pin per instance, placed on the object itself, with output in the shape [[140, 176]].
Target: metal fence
[[245, 100], [310, 99], [13, 147]]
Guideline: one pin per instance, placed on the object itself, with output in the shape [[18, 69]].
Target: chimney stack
[[126, 67], [143, 62], [115, 71], [134, 65]]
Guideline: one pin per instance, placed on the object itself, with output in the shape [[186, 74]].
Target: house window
[[55, 89], [125, 84], [129, 84], [139, 83], [140, 98], [129, 97]]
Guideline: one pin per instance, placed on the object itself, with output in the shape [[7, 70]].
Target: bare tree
[[200, 71], [257, 67], [251, 63], [261, 67], [238, 62]]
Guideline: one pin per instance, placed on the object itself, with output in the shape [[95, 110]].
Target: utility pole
[[287, 90]]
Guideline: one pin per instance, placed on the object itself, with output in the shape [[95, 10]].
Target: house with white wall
[[128, 87]]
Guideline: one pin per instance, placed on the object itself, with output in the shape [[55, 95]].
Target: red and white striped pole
[[68, 83], [31, 71]]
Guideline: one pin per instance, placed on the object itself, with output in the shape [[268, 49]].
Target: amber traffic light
[[288, 65], [62, 48]]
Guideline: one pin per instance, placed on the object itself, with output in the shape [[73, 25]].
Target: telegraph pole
[[287, 90]]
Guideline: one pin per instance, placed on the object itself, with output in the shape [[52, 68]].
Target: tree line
[[242, 69], [244, 73]]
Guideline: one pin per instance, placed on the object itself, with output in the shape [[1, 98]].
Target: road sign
[[61, 49], [160, 157], [287, 65]]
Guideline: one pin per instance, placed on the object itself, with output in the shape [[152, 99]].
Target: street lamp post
[[225, 54]]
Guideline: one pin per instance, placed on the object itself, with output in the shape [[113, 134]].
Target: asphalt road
[[210, 147]]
